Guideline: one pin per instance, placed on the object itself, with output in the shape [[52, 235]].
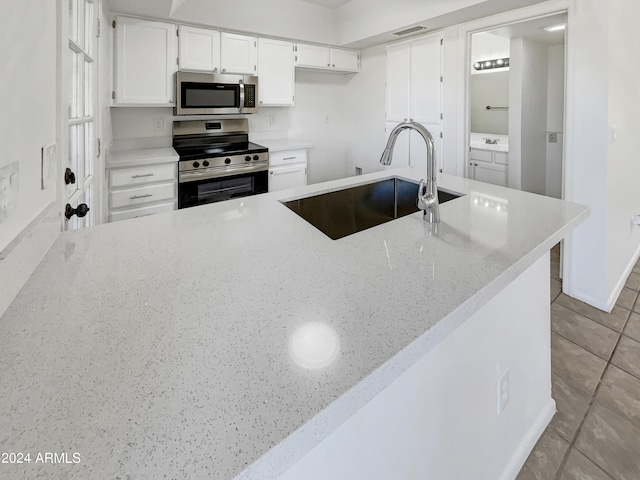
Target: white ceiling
[[534, 30], [334, 4]]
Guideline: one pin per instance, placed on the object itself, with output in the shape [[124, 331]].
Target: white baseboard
[[520, 456]]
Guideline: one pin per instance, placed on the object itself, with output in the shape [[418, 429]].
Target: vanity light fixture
[[489, 64], [556, 28]]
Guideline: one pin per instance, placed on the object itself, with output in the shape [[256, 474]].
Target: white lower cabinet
[[142, 190], [287, 169], [489, 167]]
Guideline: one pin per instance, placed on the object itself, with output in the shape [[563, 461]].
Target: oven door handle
[[185, 177]]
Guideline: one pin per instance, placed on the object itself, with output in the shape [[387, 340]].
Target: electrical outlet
[[273, 120], [504, 390], [158, 125]]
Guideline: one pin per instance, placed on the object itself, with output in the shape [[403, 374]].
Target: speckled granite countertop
[[228, 340]]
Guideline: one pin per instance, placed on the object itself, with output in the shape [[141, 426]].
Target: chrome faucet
[[427, 191]]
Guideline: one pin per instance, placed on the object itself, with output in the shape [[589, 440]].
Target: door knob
[[69, 176], [80, 211]]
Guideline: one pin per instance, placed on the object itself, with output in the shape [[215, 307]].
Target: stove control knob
[[227, 161], [247, 158], [256, 157], [205, 163], [196, 164]]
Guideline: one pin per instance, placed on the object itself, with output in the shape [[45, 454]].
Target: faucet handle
[[422, 195]]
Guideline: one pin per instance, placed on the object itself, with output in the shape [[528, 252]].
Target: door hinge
[[177, 32], [178, 61], [441, 79], [255, 67], [441, 116], [113, 24], [97, 27], [440, 134], [113, 95], [255, 44], [99, 147], [442, 41], [293, 97], [295, 48], [296, 58]]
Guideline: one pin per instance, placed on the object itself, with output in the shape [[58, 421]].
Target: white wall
[[623, 182], [276, 18], [555, 120], [533, 120], [28, 91], [365, 107], [488, 46]]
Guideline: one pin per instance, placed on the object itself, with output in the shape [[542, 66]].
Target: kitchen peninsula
[[234, 340]]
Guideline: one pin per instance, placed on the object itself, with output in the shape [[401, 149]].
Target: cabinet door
[[145, 62], [426, 86], [345, 60], [418, 148], [276, 72], [199, 49], [313, 56], [239, 54], [488, 173], [401, 150], [281, 178], [398, 61]]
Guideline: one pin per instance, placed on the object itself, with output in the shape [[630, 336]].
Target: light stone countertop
[[283, 144], [178, 345], [140, 156]]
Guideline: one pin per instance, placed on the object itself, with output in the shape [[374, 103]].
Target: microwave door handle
[[241, 96]]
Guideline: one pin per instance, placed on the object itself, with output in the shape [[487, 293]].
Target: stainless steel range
[[217, 161]]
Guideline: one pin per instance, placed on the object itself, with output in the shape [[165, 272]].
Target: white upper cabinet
[[276, 72], [239, 54], [326, 58], [414, 87], [425, 81], [312, 56], [398, 81], [199, 49], [145, 62], [345, 60]]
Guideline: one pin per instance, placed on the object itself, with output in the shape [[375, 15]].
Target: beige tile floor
[[595, 373]]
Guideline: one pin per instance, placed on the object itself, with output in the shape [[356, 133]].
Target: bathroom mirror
[[490, 90]]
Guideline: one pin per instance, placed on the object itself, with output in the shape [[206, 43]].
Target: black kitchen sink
[[344, 212]]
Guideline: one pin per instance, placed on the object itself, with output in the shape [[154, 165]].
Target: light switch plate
[[9, 188], [47, 165]]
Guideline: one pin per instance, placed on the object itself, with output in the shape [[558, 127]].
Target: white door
[[398, 61], [345, 60], [276, 72], [79, 159], [199, 49], [239, 54], [426, 87], [146, 62], [313, 56], [281, 178]]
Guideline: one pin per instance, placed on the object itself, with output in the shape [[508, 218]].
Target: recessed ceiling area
[[534, 30]]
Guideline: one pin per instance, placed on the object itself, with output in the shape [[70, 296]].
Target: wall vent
[[416, 29]]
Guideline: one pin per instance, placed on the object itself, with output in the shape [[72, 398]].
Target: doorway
[[516, 105]]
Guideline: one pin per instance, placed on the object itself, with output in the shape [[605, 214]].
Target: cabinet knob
[[69, 176], [333, 65], [215, 70], [224, 70], [328, 64], [80, 211]]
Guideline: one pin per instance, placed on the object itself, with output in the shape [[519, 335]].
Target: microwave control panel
[[249, 96]]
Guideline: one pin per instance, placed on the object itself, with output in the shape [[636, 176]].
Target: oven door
[[193, 191]]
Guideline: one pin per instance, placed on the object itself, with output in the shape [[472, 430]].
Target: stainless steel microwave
[[211, 94]]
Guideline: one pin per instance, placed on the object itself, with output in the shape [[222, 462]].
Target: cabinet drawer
[[480, 155], [287, 157], [141, 212], [124, 177], [501, 157], [130, 197]]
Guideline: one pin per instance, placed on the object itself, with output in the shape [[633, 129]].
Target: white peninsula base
[[440, 419]]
